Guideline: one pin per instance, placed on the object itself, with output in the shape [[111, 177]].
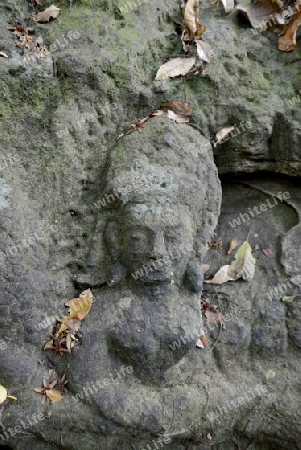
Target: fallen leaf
[[220, 136], [269, 252], [156, 113], [201, 342], [79, 307], [3, 54], [288, 299], [3, 394], [244, 264], [178, 107], [287, 40], [38, 2], [232, 246], [261, 12], [270, 374], [205, 267], [204, 51], [180, 118], [214, 316], [189, 14], [50, 13], [221, 276], [175, 67], [228, 5], [73, 325], [53, 395], [209, 436]]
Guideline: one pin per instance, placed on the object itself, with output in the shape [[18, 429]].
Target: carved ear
[[194, 276], [112, 240]]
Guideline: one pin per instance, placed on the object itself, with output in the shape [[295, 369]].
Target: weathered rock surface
[[62, 172]]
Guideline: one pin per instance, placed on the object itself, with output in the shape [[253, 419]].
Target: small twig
[[71, 1], [219, 333]]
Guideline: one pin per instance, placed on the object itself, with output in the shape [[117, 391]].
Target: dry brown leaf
[[38, 2], [205, 267], [189, 14], [3, 54], [175, 67], [201, 342], [178, 107], [244, 264], [50, 13], [73, 325], [222, 134], [228, 5], [53, 395], [261, 12], [79, 307], [269, 252], [233, 244], [156, 113], [221, 276], [48, 345], [179, 118], [287, 40], [204, 51], [214, 316]]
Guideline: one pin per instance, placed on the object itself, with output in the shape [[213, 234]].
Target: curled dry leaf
[[190, 15], [180, 118], [201, 342], [260, 12], [204, 51], [50, 13], [3, 54], [287, 40], [244, 264], [175, 67], [220, 136], [233, 244], [221, 276]]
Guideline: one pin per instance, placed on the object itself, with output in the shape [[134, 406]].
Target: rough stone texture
[[60, 157]]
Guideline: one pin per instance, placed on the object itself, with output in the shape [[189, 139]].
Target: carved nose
[[158, 248]]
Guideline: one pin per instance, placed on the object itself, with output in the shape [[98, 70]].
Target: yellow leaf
[[79, 307], [53, 395], [175, 67], [3, 394], [50, 13], [244, 264]]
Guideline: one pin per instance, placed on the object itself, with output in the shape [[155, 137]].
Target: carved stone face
[[157, 242]]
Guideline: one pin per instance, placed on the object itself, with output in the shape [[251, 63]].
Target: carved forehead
[[154, 216]]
